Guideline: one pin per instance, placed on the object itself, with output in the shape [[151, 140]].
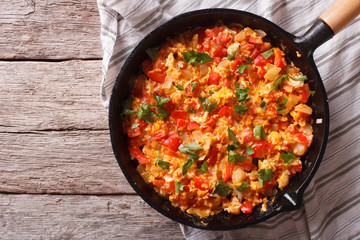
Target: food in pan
[[219, 120]]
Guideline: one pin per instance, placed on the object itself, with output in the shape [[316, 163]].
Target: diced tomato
[[213, 156], [178, 114], [260, 60], [160, 136], [160, 64], [296, 168], [132, 133], [226, 111], [246, 207], [235, 63], [157, 75], [302, 138], [147, 66], [201, 183], [279, 58], [259, 149], [170, 106], [211, 122], [247, 136], [254, 53], [246, 165], [210, 33], [228, 172], [255, 40], [138, 154], [181, 124], [214, 78], [270, 184], [247, 47], [218, 51], [271, 108], [170, 187], [191, 126], [192, 93], [305, 93], [158, 182], [173, 142]]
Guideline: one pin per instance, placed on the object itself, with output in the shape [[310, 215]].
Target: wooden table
[[59, 177]]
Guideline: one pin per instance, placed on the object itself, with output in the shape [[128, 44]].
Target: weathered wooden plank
[[61, 162], [51, 95], [49, 29], [82, 217]]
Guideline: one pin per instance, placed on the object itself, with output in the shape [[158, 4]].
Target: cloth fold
[[331, 207]]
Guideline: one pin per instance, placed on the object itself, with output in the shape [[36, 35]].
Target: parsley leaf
[[179, 186], [135, 125], [263, 105], [299, 78], [241, 68], [268, 53], [162, 113], [244, 186], [193, 146], [145, 113], [236, 157], [193, 86], [208, 106], [249, 151], [221, 189], [190, 109], [211, 91], [259, 132], [287, 156], [178, 132], [264, 175], [187, 165], [164, 165], [249, 60], [241, 94], [231, 57], [203, 168], [278, 84], [232, 137], [241, 108], [179, 87], [153, 52], [230, 147], [312, 92], [195, 57], [280, 105], [160, 101]]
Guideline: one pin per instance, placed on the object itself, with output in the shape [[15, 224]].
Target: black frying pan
[[289, 198]]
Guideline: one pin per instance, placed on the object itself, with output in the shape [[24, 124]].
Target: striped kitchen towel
[[331, 208]]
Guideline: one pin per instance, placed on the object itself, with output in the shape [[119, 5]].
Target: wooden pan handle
[[341, 13]]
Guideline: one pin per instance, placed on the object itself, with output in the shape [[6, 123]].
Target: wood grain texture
[[82, 217], [60, 162], [51, 95], [49, 29]]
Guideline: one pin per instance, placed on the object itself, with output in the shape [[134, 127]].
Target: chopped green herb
[[160, 101], [244, 186], [241, 94], [217, 44], [211, 91], [195, 57], [259, 132], [312, 92], [249, 60], [179, 186], [135, 125], [287, 156], [264, 175], [162, 113], [179, 87], [193, 86], [127, 108], [249, 151], [208, 106], [232, 137], [230, 147], [193, 146], [180, 65], [145, 113], [241, 68], [190, 109], [221, 189], [278, 84], [236, 157], [280, 106], [187, 165], [164, 165], [178, 132], [299, 78], [203, 168], [241, 108], [263, 105], [267, 54], [231, 57], [152, 52]]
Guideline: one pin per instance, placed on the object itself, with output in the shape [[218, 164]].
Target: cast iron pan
[[288, 199]]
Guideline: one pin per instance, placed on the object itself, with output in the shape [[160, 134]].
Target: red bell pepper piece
[[138, 154]]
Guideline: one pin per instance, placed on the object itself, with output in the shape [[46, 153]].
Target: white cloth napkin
[[331, 208]]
